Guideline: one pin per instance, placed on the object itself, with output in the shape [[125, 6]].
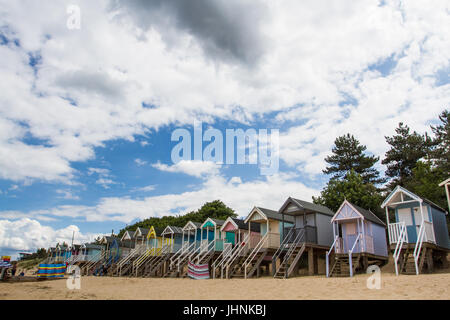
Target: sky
[[91, 92]]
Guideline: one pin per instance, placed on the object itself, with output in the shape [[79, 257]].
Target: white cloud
[[269, 192], [309, 59], [194, 168], [29, 234], [67, 194], [145, 189], [140, 162]]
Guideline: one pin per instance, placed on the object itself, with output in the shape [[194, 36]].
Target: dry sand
[[425, 286]]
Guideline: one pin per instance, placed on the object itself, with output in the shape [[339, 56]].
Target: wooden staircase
[[237, 270], [290, 260], [407, 263], [341, 265], [157, 266]]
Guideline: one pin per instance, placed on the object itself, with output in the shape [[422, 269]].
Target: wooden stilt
[[310, 261]]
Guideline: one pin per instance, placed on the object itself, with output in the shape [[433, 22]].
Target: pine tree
[[354, 189], [441, 152], [406, 149], [348, 154]]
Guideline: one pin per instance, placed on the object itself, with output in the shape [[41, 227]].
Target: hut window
[[350, 228]]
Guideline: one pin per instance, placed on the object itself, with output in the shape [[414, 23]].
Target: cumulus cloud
[[29, 234], [318, 74], [229, 30], [194, 168], [269, 192]]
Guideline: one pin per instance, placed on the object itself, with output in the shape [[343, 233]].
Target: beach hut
[[359, 241], [190, 242], [446, 185], [211, 242], [236, 237], [171, 238], [310, 233], [260, 247], [418, 233], [152, 247]]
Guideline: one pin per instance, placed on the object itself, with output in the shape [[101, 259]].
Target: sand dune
[[426, 286]]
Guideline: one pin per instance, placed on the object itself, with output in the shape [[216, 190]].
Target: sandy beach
[[426, 286]]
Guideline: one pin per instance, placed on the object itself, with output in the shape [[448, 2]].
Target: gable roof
[[412, 195], [217, 222], [306, 206], [190, 225], [241, 224], [172, 230], [270, 215], [367, 214]]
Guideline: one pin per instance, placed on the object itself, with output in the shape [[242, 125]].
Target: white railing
[[262, 243], [402, 237], [292, 246], [327, 258], [237, 252], [185, 249], [358, 240], [206, 251], [420, 237], [284, 245], [394, 230], [224, 255]]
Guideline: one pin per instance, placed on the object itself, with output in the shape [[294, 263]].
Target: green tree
[[354, 189], [425, 181], [215, 209], [406, 149], [349, 154], [441, 151]]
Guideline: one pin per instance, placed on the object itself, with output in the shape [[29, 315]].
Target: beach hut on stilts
[[305, 241], [211, 243], [136, 249], [172, 239], [258, 250], [191, 235], [236, 237], [359, 241], [151, 249], [418, 232]]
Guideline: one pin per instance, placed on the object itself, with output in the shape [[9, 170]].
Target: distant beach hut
[[418, 232], [191, 235], [359, 241]]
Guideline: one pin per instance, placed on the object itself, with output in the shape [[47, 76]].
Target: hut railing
[[394, 230], [327, 258], [135, 252], [238, 251], [284, 245], [223, 257], [420, 237], [185, 250], [350, 253], [403, 236], [262, 244], [209, 249]]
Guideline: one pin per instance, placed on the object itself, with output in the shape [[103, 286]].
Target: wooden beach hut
[[172, 238], [211, 242], [236, 237], [418, 232], [260, 247], [359, 241], [190, 242], [311, 234]]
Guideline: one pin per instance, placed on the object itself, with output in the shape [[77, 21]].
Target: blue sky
[[86, 115]]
